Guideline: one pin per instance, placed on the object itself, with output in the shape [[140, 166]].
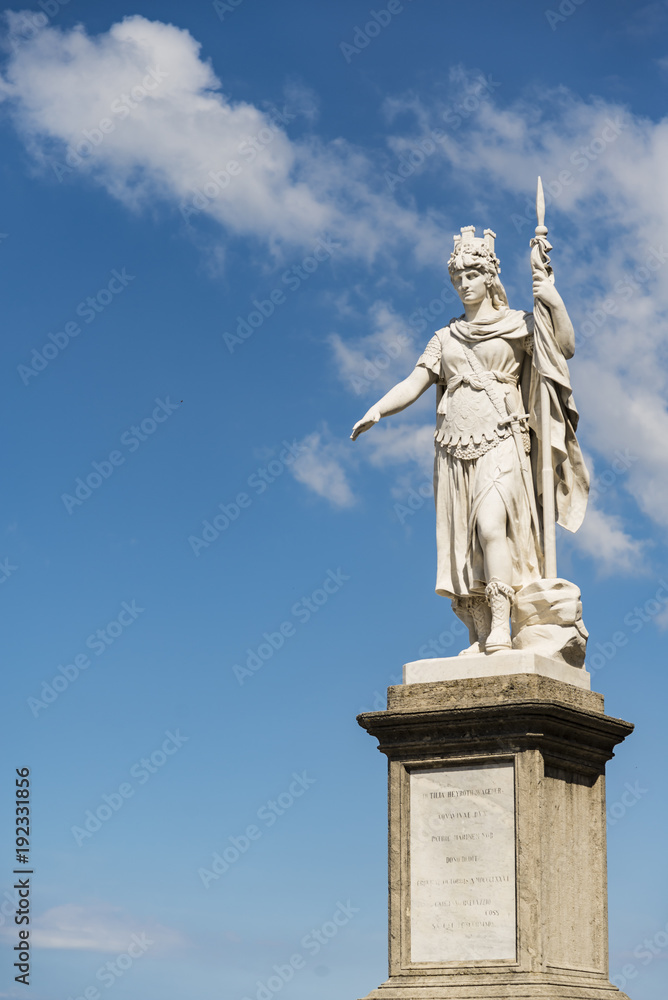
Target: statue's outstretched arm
[[398, 398]]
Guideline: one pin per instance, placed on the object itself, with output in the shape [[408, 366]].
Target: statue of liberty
[[507, 461]]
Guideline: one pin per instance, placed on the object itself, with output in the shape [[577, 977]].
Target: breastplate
[[467, 422]]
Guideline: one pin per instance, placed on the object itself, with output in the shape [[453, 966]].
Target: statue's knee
[[491, 531]]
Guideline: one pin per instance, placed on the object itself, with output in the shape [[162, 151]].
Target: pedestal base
[[501, 664], [521, 988], [497, 884]]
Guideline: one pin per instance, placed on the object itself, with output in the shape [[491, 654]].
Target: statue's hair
[[481, 257]]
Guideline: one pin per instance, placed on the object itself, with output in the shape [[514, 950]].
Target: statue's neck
[[482, 311]]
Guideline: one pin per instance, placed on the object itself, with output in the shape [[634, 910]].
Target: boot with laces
[[499, 597]]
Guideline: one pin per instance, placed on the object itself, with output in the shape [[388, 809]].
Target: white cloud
[[603, 538], [403, 443], [97, 928], [662, 620], [371, 364], [320, 466], [175, 137]]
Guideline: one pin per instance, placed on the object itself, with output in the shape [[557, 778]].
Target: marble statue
[[507, 463]]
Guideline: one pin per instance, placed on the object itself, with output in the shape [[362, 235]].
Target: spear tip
[[540, 209]]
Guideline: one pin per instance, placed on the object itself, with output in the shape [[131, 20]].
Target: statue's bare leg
[[492, 532], [493, 535]]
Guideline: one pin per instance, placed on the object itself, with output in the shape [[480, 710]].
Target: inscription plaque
[[462, 864]]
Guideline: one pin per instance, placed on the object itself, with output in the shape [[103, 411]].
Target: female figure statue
[[488, 440]]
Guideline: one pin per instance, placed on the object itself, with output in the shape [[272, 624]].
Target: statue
[[506, 453]]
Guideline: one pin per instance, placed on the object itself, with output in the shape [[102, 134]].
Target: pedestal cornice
[[490, 714]]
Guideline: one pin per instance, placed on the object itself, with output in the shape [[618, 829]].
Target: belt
[[479, 381]]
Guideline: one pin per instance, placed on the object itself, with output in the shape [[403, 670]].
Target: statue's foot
[[498, 639], [499, 596], [473, 648]]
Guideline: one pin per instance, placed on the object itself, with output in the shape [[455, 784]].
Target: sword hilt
[[514, 417]]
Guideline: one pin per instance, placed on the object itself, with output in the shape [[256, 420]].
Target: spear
[[543, 327]]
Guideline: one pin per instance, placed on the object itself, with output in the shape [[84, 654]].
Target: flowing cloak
[[460, 569]]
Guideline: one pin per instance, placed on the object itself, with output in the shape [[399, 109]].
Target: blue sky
[[204, 286]]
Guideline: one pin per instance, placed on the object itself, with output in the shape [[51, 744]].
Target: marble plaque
[[462, 864]]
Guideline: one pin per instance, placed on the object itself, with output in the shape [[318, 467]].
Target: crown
[[467, 242], [468, 237]]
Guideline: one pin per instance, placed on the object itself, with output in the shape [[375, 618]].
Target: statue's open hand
[[544, 290], [370, 418]]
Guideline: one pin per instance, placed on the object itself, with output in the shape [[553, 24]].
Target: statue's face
[[470, 285]]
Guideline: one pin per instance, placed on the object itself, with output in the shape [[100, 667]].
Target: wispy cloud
[[602, 537], [321, 467], [98, 927], [370, 364], [402, 443]]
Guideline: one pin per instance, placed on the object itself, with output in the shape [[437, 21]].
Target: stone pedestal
[[497, 836]]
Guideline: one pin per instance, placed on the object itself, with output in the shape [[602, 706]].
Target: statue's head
[[474, 268]]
